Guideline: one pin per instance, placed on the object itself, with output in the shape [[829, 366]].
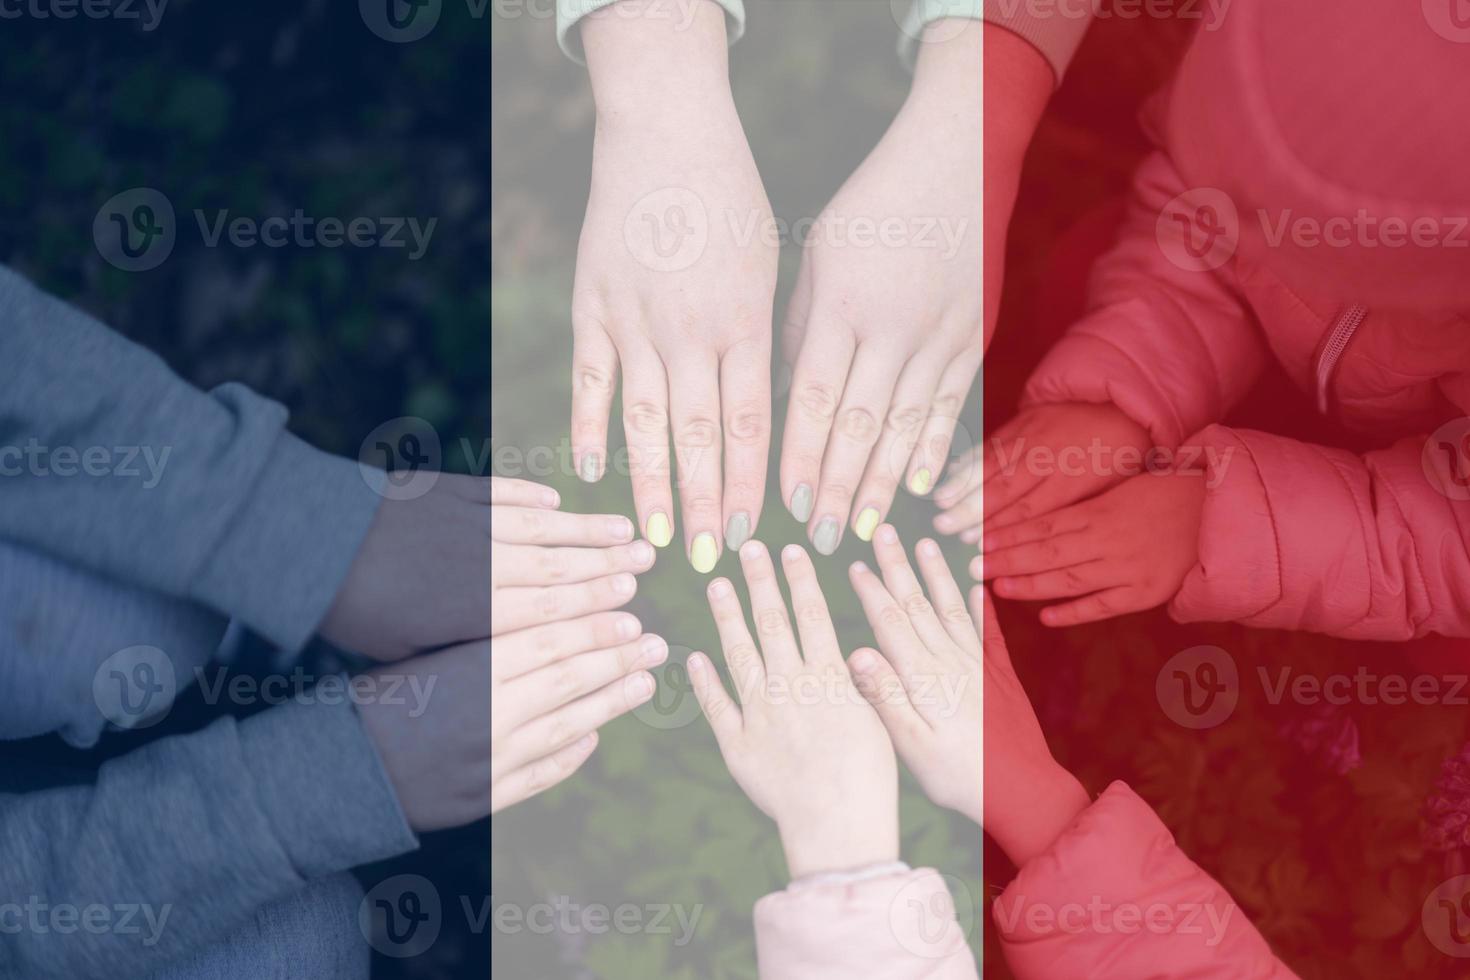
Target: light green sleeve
[[922, 13], [569, 12], [1055, 32]]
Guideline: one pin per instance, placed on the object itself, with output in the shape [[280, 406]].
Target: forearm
[[647, 66]]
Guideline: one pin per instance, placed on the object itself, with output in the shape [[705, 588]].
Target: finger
[[963, 475], [903, 585], [881, 687], [1049, 555], [896, 637], [522, 493], [946, 597], [721, 710], [768, 610], [937, 435], [646, 427], [559, 683], [695, 400], [1046, 497], [525, 525], [583, 716], [594, 377], [1091, 609], [1066, 521], [745, 398], [514, 654], [1060, 583], [964, 518], [819, 644], [855, 430], [520, 564], [541, 775], [747, 669], [517, 608], [816, 389], [902, 424]]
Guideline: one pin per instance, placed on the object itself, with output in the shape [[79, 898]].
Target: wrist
[[845, 846], [645, 62], [1043, 810]]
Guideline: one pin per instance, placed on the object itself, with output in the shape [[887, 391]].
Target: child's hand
[[675, 281], [926, 684], [552, 687], [884, 337], [1029, 798], [802, 742], [547, 566], [1047, 457], [1124, 551]]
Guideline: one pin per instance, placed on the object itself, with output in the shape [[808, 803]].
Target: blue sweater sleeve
[[110, 461], [179, 843]]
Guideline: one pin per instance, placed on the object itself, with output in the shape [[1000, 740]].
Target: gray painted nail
[[826, 537], [737, 530], [801, 503], [590, 468]]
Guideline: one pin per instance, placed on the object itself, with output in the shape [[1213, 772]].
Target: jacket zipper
[[1338, 338]]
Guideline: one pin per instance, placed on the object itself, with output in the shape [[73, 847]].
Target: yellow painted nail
[[704, 554], [867, 523], [921, 483], [659, 533]]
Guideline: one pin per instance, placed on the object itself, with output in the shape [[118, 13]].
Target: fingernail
[[928, 548], [640, 687], [695, 663], [975, 568], [751, 551], [719, 588], [825, 540], [887, 534], [801, 503], [866, 523], [791, 553], [861, 567], [921, 482], [590, 468], [737, 530], [550, 498], [655, 651], [620, 528], [586, 743], [628, 627], [624, 584], [658, 532], [704, 553], [642, 553], [862, 660]]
